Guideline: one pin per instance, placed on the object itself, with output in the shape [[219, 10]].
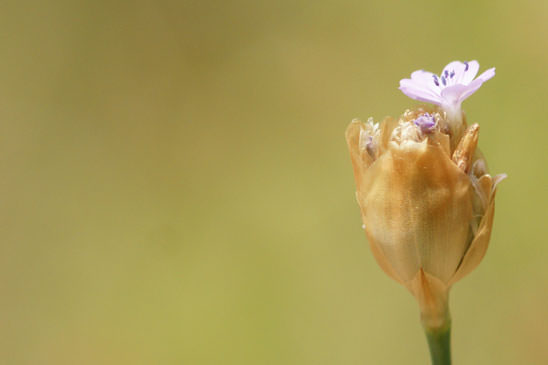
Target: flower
[[448, 89], [425, 122], [427, 207]]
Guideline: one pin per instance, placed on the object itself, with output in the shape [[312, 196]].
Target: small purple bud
[[425, 122], [371, 147], [465, 66], [443, 81]]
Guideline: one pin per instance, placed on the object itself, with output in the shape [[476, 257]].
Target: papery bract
[[427, 207]]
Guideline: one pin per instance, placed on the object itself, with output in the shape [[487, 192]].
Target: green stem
[[439, 341]]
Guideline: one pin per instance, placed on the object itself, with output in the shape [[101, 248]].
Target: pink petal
[[458, 67], [473, 68], [471, 88], [452, 94], [412, 84], [486, 75], [420, 95], [424, 78]]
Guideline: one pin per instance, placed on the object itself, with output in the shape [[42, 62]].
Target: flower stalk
[[439, 343]]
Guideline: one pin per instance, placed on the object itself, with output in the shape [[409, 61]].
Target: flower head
[[427, 206], [450, 88]]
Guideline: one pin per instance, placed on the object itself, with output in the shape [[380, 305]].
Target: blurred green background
[[176, 189]]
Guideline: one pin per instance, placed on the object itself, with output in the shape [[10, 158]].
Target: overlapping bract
[[427, 207]]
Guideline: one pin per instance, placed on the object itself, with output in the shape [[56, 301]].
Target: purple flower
[[425, 122], [449, 89]]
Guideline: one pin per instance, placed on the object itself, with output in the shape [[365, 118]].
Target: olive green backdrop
[[175, 186]]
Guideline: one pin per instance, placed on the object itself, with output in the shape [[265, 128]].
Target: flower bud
[[427, 207]]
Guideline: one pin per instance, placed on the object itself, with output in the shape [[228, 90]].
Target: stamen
[[443, 81], [452, 74], [436, 80], [446, 74], [465, 66]]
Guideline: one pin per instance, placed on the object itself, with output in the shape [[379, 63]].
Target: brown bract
[[427, 210]]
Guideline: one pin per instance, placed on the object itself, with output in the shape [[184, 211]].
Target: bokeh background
[[175, 187]]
